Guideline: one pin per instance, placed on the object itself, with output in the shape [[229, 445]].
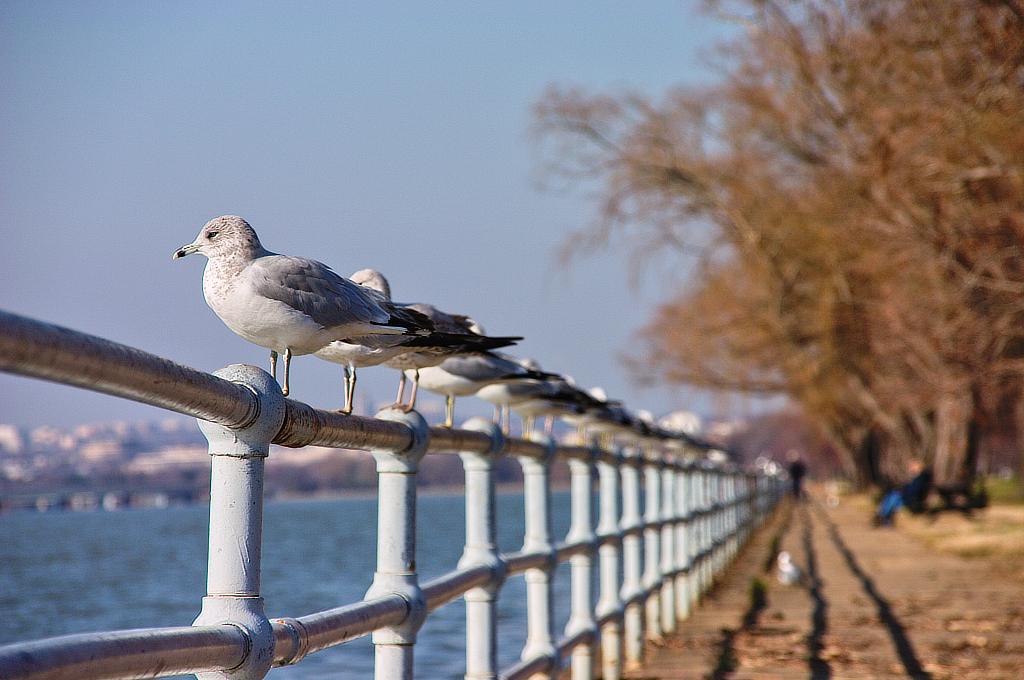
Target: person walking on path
[[797, 471]]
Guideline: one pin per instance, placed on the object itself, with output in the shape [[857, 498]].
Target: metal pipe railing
[[695, 518], [41, 350], [295, 638], [141, 653]]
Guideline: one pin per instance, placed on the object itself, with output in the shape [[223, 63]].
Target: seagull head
[[475, 327], [225, 235], [371, 278], [527, 363]]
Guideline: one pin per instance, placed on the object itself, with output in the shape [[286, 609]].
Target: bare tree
[[854, 192]]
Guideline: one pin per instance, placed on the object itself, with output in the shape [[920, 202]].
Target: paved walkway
[[873, 603]]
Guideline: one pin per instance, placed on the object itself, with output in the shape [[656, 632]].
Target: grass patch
[[1005, 491], [996, 532]]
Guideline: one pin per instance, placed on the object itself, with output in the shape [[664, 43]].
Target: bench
[[960, 497]]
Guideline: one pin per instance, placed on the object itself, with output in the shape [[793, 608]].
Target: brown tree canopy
[[854, 190]]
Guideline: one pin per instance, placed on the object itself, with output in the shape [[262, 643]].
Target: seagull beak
[[185, 250]]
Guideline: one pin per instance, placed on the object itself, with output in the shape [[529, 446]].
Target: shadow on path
[[820, 670], [727, 662], [904, 648], [776, 543]]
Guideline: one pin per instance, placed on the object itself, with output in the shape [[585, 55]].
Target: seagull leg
[[411, 406], [287, 369], [401, 391], [527, 426], [273, 364], [506, 419], [496, 418], [549, 425], [350, 389], [351, 397], [449, 410]]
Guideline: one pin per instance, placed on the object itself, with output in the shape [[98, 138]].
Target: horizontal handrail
[[518, 562], [139, 653], [527, 668], [295, 638], [445, 588], [41, 350], [50, 352]]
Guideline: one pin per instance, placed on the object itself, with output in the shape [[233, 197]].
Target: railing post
[[728, 492], [581, 618], [668, 550], [396, 547], [715, 521], [707, 481], [632, 587], [682, 542], [482, 549], [700, 533], [539, 606], [236, 523], [737, 496], [718, 530], [652, 536], [749, 504], [609, 606]]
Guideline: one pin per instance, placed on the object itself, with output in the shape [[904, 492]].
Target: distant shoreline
[[88, 501]]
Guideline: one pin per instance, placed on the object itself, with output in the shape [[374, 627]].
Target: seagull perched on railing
[[601, 415], [290, 305], [504, 394], [530, 398], [463, 376], [461, 335]]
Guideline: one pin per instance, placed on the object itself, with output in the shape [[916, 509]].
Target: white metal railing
[[696, 515]]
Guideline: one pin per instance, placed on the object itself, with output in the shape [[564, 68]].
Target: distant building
[[102, 451], [682, 421], [11, 440]]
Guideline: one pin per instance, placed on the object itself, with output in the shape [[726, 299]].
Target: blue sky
[[386, 135]]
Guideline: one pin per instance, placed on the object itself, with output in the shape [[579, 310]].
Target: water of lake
[[66, 573]]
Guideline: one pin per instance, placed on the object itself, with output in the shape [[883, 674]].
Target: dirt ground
[[996, 533], [871, 602]]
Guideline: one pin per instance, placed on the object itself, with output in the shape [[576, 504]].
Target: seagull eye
[[212, 234]]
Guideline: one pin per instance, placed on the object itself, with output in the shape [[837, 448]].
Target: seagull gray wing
[[481, 367], [443, 321], [331, 300]]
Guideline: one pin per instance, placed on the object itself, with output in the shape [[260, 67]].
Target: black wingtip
[[462, 342], [540, 375], [414, 322], [489, 342]]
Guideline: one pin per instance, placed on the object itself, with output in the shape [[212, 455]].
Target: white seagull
[[290, 305], [464, 374], [457, 334]]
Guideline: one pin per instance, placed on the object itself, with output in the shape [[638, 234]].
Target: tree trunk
[[969, 468], [953, 415], [868, 458], [845, 446]]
